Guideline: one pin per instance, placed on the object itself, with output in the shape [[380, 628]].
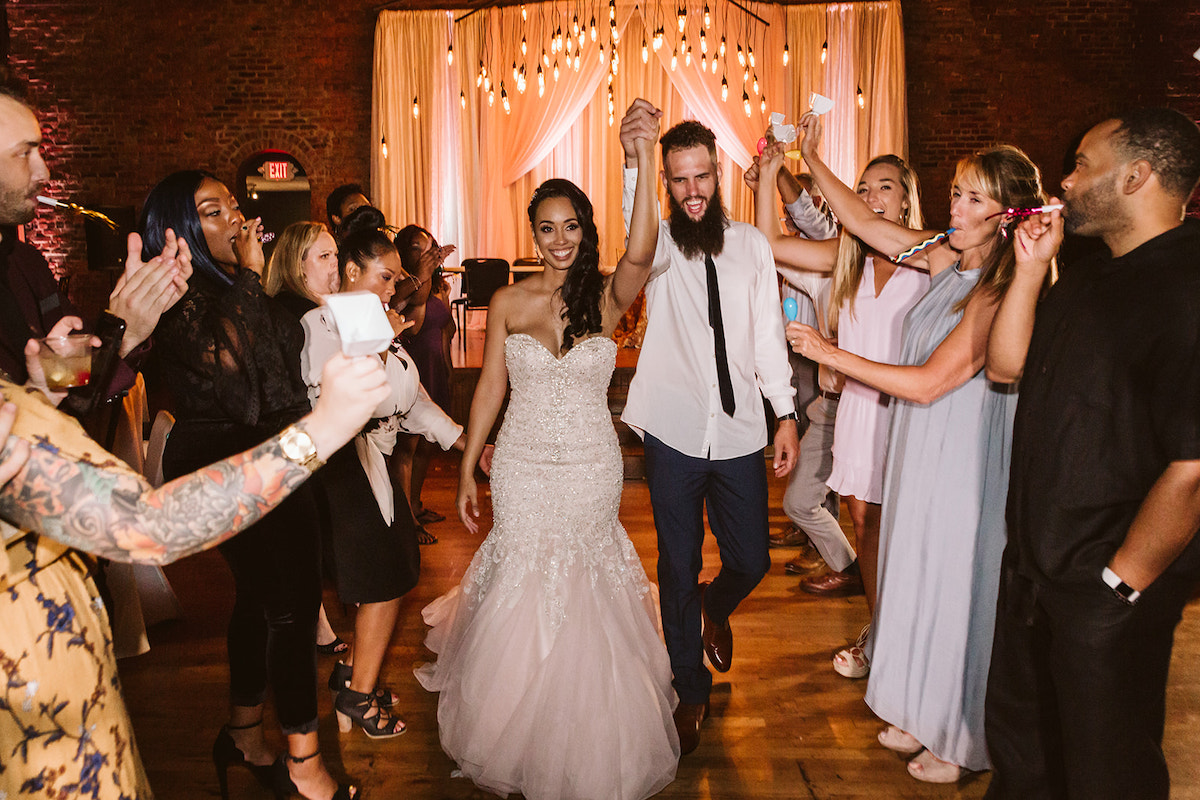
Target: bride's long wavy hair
[[584, 285]]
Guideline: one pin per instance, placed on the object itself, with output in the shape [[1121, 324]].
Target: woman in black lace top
[[231, 358]]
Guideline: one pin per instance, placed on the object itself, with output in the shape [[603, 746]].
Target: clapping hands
[[146, 289]]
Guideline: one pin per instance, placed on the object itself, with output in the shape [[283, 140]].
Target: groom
[[713, 348]]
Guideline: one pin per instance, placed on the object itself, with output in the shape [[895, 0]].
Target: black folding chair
[[520, 275], [481, 278]]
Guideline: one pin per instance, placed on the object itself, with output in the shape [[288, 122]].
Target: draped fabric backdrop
[[465, 168]]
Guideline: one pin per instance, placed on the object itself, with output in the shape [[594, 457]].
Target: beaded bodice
[[556, 478]]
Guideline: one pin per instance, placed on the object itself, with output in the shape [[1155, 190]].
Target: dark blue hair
[[172, 204]]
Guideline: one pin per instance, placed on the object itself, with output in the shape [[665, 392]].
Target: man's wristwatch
[[1121, 589], [790, 415], [298, 447]]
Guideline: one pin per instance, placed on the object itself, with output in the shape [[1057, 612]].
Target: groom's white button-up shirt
[[674, 395]]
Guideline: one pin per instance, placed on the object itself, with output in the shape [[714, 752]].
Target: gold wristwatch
[[298, 447]]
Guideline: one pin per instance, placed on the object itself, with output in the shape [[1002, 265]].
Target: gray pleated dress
[[940, 544]]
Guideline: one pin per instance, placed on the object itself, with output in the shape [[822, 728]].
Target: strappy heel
[[339, 681], [285, 787], [334, 648], [226, 754], [354, 708]]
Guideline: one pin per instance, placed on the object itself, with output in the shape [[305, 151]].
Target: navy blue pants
[[734, 491]]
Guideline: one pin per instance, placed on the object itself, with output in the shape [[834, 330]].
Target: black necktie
[[714, 321]]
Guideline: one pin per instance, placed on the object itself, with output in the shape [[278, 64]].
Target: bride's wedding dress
[[553, 676]]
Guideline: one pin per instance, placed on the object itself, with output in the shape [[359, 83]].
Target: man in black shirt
[[31, 305], [1104, 498]]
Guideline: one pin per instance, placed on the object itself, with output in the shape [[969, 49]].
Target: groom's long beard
[[705, 236]]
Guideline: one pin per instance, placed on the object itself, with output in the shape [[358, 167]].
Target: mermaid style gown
[[554, 679]]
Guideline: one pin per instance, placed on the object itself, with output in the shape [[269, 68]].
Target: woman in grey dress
[[947, 465]]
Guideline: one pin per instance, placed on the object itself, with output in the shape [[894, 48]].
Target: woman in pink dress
[[869, 297]]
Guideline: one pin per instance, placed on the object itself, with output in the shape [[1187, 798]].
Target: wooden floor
[[783, 724]]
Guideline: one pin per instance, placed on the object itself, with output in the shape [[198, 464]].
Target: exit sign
[[278, 170]]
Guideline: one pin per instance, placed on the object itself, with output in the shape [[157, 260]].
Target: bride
[[553, 677]]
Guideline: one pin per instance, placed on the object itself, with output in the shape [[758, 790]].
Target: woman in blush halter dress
[[869, 296], [553, 676]]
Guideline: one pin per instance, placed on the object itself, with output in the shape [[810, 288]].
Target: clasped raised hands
[[639, 130]]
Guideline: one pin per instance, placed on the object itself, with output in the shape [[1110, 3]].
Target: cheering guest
[[869, 297], [31, 304], [231, 357], [428, 343], [807, 501], [1104, 504], [945, 476], [303, 269], [376, 559]]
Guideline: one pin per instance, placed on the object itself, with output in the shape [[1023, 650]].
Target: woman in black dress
[[231, 358], [374, 535]]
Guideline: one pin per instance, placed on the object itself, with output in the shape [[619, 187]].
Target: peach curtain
[[467, 172]]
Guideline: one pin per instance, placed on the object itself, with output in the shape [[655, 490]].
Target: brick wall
[[130, 90], [1030, 73], [1170, 35], [1036, 73]]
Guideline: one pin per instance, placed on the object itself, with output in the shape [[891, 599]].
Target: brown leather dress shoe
[[718, 640], [834, 584], [805, 562], [789, 537], [688, 717]]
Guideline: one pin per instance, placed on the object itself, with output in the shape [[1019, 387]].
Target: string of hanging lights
[[564, 39]]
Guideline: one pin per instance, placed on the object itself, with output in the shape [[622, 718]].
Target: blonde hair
[[285, 270], [1006, 175], [852, 254]]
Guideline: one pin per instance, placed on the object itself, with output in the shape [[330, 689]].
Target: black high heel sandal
[[285, 787], [334, 648], [339, 681], [354, 708], [226, 753]]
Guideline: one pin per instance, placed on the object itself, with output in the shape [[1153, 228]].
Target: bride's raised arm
[[639, 132]]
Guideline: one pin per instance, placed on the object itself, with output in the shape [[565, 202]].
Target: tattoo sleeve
[[109, 510]]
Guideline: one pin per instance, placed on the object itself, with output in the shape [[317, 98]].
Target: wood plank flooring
[[783, 724]]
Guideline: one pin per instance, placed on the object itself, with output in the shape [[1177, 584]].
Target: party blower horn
[[78, 209]]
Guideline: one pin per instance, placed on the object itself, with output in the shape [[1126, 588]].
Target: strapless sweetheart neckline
[[577, 345]]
